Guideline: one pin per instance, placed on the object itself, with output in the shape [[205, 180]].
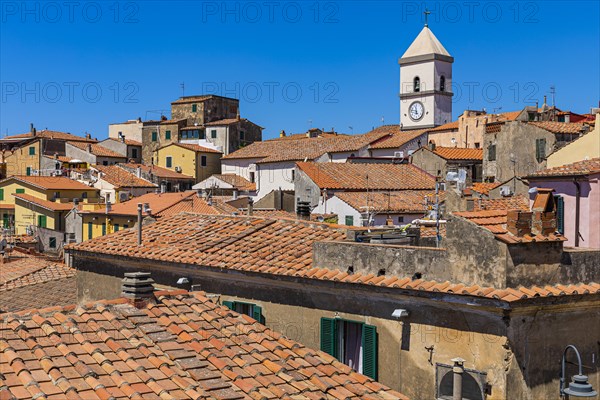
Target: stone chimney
[[519, 222], [88, 135], [89, 148], [282, 133], [250, 207], [138, 288], [138, 172], [544, 215]]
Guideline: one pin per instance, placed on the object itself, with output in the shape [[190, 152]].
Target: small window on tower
[[417, 84], [442, 83]]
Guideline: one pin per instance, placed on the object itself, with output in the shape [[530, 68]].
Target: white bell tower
[[425, 83]]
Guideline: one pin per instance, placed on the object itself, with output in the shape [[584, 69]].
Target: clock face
[[415, 111]]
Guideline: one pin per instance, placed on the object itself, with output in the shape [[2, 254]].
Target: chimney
[[282, 133], [89, 148], [88, 135], [32, 129], [235, 194], [543, 223], [250, 207], [108, 206], [137, 288], [163, 187], [519, 222], [138, 172], [431, 145], [56, 156]]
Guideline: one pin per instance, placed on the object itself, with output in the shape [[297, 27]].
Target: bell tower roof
[[425, 44]]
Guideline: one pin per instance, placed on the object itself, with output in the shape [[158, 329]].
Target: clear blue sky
[[332, 63]]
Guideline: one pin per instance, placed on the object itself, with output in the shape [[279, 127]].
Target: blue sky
[[78, 66]]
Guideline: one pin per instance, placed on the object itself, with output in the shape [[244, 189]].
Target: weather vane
[[426, 12]]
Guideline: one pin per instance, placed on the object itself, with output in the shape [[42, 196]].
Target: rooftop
[[181, 346], [484, 187], [396, 137], [458, 153], [48, 134], [120, 178], [584, 167], [574, 128], [236, 181], [199, 98], [367, 176], [97, 150], [128, 142], [450, 126], [157, 171], [45, 204], [403, 201], [516, 202], [193, 147], [425, 43], [50, 182]]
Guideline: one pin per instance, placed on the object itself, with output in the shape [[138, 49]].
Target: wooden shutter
[[1, 194], [257, 314], [560, 214], [103, 229], [90, 230], [329, 336], [42, 221], [229, 304], [369, 344], [540, 149]]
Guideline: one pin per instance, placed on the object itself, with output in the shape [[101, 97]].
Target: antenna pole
[[182, 85]]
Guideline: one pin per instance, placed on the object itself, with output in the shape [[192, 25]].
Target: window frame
[[213, 133], [169, 161], [32, 150], [154, 136], [52, 242], [203, 161], [256, 312], [416, 84], [349, 218]]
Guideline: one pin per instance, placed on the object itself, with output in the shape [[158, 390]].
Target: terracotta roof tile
[[97, 150], [194, 147], [48, 134], [46, 204], [406, 201], [457, 153], [184, 339], [574, 128], [450, 126], [50, 182], [516, 202], [511, 115], [484, 187], [128, 142], [237, 181], [367, 176], [584, 167], [396, 137], [120, 178], [157, 171]]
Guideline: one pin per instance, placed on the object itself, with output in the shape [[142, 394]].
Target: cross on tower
[[426, 12]]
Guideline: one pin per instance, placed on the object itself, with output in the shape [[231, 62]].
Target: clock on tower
[[425, 83]]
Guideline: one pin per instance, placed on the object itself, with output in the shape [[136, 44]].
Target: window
[[349, 220], [203, 161], [104, 162], [103, 228], [540, 149], [1, 194], [90, 230], [202, 134], [442, 83], [194, 107], [492, 152], [52, 242], [20, 191], [249, 309], [154, 136], [351, 342], [168, 135], [84, 195], [400, 220], [293, 175], [28, 171], [116, 226], [134, 153], [56, 195], [6, 220], [32, 151], [213, 133], [242, 135], [560, 214], [169, 162], [477, 145], [417, 84], [41, 221], [125, 226], [251, 177]]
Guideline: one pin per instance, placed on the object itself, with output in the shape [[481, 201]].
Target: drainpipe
[[458, 369], [577, 210], [139, 223]]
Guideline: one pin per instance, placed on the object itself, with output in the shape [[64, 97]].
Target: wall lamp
[[400, 313], [579, 387]]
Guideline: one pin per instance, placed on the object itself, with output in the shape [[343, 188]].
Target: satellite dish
[[320, 218]]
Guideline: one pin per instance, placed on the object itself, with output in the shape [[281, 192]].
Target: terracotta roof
[[179, 346], [97, 150], [516, 202], [494, 127], [47, 134], [128, 142], [50, 182], [163, 204], [237, 181], [157, 171], [193, 147], [584, 167], [511, 115], [274, 214], [282, 247], [193, 99], [396, 137], [194, 204], [484, 187], [27, 281], [495, 221], [450, 126], [221, 122], [458, 153], [367, 176], [277, 150], [7, 206], [561, 127], [121, 178], [45, 204], [402, 201]]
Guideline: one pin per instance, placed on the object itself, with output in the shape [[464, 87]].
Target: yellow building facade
[[24, 160], [189, 159], [586, 147]]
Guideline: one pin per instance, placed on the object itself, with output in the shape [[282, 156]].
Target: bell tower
[[425, 82]]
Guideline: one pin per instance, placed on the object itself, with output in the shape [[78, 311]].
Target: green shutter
[[28, 171], [168, 135], [257, 314], [32, 151], [560, 214], [369, 344], [349, 220], [229, 304], [154, 136], [20, 191], [1, 194], [42, 221], [116, 227], [194, 107], [328, 336], [213, 133], [90, 230], [103, 229]]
